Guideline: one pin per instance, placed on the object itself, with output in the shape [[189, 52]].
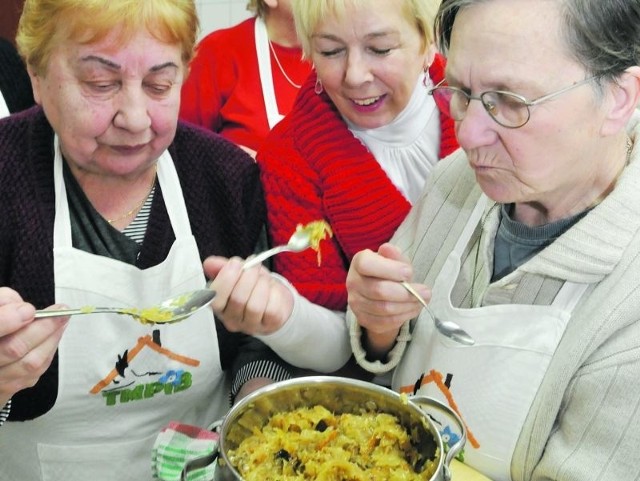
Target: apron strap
[[266, 76], [171, 191], [62, 222], [472, 223], [173, 198], [4, 109]]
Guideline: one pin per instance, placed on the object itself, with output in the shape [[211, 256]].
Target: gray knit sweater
[[584, 423]]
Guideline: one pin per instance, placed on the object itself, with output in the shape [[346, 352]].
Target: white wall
[[216, 14]]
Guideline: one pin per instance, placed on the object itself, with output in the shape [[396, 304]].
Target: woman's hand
[[378, 300], [249, 301], [26, 347]]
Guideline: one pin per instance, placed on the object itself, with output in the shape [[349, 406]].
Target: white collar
[[408, 147]]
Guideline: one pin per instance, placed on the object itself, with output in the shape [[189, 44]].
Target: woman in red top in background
[[244, 79], [356, 153], [361, 139]]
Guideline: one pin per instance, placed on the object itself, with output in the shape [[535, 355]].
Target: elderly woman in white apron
[[108, 201], [529, 239]]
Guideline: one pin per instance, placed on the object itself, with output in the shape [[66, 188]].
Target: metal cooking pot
[[340, 395]]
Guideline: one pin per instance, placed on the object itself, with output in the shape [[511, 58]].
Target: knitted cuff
[[393, 357], [4, 412]]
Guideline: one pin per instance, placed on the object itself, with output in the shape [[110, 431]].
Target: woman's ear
[[35, 84], [624, 100], [429, 55]]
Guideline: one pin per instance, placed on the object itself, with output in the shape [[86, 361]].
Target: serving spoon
[[169, 311], [447, 328]]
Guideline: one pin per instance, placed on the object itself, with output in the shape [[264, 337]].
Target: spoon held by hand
[[304, 237], [169, 311], [447, 328]]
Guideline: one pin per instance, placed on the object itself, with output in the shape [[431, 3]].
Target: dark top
[[222, 192], [14, 80], [516, 242]]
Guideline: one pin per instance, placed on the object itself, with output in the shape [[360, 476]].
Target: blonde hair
[[309, 13], [257, 7], [45, 24]]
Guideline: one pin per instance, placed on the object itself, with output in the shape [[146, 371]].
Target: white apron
[[492, 384], [266, 76], [120, 382]]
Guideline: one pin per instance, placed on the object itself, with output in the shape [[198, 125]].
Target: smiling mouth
[[366, 102]]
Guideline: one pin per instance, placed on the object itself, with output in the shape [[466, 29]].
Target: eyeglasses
[[506, 108]]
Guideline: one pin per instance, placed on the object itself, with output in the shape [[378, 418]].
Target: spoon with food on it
[[305, 237], [180, 307], [169, 311]]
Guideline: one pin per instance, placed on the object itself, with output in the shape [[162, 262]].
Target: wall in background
[[216, 14]]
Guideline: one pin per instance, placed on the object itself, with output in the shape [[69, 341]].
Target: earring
[[318, 88], [425, 76]]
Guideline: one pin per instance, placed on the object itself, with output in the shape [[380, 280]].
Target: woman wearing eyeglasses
[[529, 239]]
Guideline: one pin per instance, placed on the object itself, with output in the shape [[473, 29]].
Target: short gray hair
[[602, 35]]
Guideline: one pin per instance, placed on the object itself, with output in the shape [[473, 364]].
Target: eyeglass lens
[[505, 108]]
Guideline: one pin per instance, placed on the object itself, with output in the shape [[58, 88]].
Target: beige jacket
[[584, 423]]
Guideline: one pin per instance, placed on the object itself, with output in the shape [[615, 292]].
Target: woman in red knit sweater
[[355, 150], [361, 139]]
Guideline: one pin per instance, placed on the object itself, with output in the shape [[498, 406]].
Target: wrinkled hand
[[27, 347], [249, 301], [376, 297]]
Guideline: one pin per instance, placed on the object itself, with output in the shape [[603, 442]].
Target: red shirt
[[223, 92]]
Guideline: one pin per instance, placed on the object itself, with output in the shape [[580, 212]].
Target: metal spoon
[[172, 310], [299, 241], [447, 328]]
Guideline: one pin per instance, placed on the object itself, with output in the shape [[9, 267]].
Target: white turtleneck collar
[[408, 147]]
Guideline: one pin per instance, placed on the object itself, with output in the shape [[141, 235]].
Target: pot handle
[[457, 447], [198, 463], [203, 461]]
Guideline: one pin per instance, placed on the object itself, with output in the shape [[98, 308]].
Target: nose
[[477, 128], [132, 110], [357, 70]]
